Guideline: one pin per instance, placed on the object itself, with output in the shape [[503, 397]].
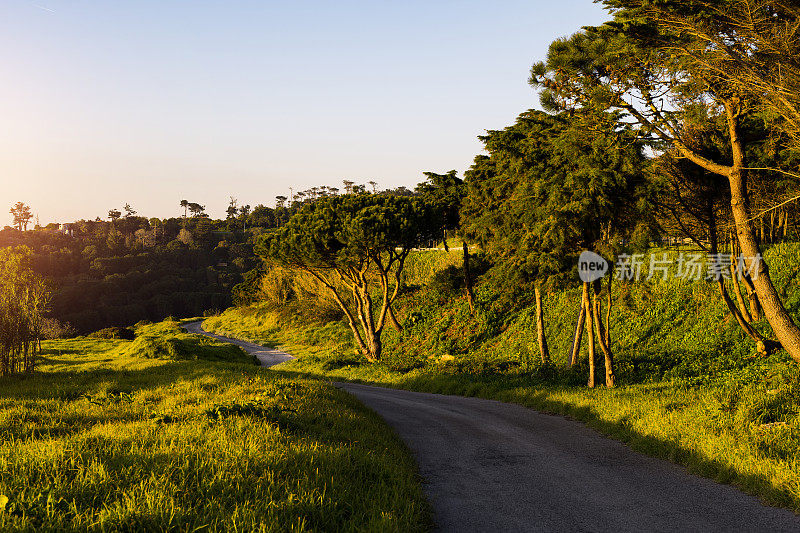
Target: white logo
[[591, 267]]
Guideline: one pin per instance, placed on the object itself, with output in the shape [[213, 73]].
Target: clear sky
[[151, 102]]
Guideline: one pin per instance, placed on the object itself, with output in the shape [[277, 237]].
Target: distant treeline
[[131, 269]]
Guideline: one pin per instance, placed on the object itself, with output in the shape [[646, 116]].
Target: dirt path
[[490, 466], [266, 356]]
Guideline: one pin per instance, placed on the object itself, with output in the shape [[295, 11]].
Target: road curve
[[490, 466], [266, 356], [493, 466]]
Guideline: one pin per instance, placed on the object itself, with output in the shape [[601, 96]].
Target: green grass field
[[692, 389], [181, 433]]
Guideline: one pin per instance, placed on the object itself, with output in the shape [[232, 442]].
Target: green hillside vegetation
[[118, 273], [690, 388], [167, 340], [129, 435], [115, 272]]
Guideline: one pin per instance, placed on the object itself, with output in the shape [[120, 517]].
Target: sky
[[151, 102]]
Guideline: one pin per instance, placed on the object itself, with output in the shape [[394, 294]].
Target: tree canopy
[[355, 243]]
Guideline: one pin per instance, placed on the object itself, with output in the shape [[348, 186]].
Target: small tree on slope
[[357, 244]]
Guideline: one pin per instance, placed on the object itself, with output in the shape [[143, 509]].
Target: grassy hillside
[[174, 432], [693, 389]]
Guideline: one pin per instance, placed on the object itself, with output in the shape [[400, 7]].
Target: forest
[[116, 272]]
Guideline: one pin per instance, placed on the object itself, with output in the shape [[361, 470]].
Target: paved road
[[493, 466], [266, 356], [490, 467]]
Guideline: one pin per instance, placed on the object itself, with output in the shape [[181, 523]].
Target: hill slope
[[693, 388]]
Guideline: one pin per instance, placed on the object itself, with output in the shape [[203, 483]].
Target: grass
[[692, 388], [114, 435]]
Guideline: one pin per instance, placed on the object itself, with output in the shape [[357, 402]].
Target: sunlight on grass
[[106, 439], [740, 427]]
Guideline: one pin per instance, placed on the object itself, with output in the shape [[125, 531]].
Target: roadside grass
[[745, 435], [692, 388], [107, 437]]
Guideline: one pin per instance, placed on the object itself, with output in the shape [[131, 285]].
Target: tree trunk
[[601, 336], [752, 296], [572, 360], [735, 277], [762, 345], [468, 277], [393, 319], [362, 346], [785, 329], [372, 334], [608, 310], [786, 225], [772, 228], [543, 351], [737, 291], [590, 331], [374, 347]]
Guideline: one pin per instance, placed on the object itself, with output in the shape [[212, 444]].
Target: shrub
[[168, 340], [448, 281], [114, 333]]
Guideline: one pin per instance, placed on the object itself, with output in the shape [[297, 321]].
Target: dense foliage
[[117, 273], [356, 244], [23, 300]]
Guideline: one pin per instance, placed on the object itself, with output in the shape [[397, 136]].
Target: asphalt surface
[[266, 356], [489, 466]]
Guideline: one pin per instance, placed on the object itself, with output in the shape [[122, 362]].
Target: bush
[[168, 340], [276, 285], [114, 333]]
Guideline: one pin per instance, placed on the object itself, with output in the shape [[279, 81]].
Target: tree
[[262, 216], [692, 201], [24, 297], [233, 209], [114, 214], [550, 188], [196, 209], [129, 211], [445, 192], [751, 46], [185, 206], [631, 66], [356, 244], [22, 216], [244, 212]]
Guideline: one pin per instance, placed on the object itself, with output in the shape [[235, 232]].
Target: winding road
[[266, 356], [490, 466]]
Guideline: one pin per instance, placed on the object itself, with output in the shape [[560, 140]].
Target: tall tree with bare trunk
[[632, 65]]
